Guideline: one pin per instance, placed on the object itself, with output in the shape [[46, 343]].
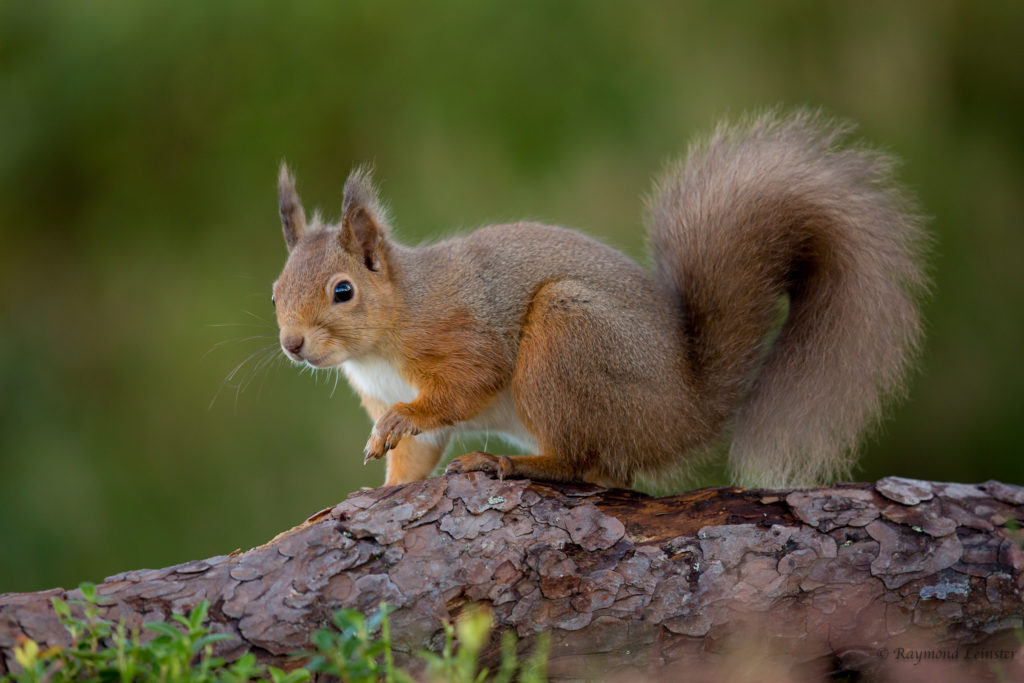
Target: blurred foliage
[[139, 144], [358, 649]]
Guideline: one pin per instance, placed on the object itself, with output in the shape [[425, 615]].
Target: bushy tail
[[769, 212]]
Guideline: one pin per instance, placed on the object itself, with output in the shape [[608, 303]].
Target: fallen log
[[894, 577]]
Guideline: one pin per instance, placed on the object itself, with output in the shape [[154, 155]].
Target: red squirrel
[[782, 307]]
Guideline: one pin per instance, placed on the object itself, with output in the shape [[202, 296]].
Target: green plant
[[357, 649], [103, 651], [471, 632], [352, 652]]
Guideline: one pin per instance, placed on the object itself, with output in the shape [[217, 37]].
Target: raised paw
[[388, 431], [479, 461]]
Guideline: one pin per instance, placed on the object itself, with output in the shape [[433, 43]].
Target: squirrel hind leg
[[583, 383]]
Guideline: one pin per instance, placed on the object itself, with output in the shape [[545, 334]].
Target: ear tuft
[[364, 225], [293, 217]]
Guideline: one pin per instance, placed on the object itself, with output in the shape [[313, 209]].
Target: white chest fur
[[378, 378]]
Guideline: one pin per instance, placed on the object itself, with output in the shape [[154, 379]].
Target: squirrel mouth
[[294, 357], [318, 362], [302, 359]]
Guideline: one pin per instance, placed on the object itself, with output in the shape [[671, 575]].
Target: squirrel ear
[[293, 218], [363, 220]]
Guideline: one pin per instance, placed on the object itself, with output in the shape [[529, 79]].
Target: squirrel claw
[[388, 431], [376, 447], [479, 461]]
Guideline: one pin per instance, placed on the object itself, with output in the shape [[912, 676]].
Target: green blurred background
[[139, 145]]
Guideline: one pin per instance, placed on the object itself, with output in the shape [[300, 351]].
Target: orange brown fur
[[606, 371], [456, 373]]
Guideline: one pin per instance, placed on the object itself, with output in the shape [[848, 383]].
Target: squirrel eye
[[273, 301], [343, 291]]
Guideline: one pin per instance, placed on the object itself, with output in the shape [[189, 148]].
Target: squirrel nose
[[293, 343]]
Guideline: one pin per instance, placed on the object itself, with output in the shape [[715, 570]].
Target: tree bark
[[895, 579]]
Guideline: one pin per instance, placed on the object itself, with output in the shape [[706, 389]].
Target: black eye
[[343, 291], [273, 301]]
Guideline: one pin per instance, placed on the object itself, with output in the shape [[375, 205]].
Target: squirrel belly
[[783, 307]]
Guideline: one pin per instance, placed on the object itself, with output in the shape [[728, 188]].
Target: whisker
[[262, 363], [262, 324], [262, 354], [258, 317], [271, 361], [237, 368], [236, 340]]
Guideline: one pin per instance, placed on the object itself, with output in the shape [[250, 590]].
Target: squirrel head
[[334, 299]]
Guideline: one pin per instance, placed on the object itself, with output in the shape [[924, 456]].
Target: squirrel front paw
[[478, 461], [388, 431]]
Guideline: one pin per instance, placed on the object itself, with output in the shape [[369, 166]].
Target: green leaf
[[209, 639], [322, 639], [61, 608], [88, 591], [346, 618], [535, 670], [198, 615], [508, 666], [163, 628], [296, 676]]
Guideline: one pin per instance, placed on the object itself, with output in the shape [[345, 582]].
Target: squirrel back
[[783, 304], [772, 214]]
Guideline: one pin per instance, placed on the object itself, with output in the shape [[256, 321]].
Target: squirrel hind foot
[[478, 461], [546, 468]]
